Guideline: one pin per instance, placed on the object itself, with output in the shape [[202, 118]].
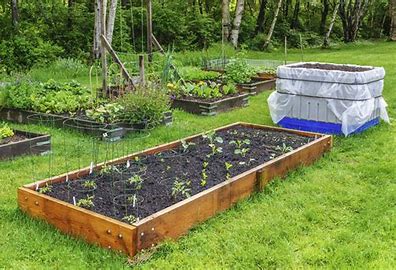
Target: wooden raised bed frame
[[211, 108], [35, 144], [175, 220], [257, 85]]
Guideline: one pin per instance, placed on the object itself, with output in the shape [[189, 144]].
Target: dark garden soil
[[333, 67], [114, 197], [15, 138], [208, 100]]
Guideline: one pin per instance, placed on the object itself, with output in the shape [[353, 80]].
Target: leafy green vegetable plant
[[239, 71], [284, 148], [241, 147], [86, 202], [136, 181], [5, 131], [181, 188], [130, 219]]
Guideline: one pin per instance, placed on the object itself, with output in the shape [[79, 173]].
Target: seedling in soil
[[89, 184], [241, 147], [205, 164], [186, 145], [86, 203], [215, 150], [107, 169], [136, 181], [46, 189], [181, 189], [130, 219], [132, 200], [211, 136], [228, 166], [204, 178], [284, 148]]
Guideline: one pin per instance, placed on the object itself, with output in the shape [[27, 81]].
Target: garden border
[[211, 108], [112, 132], [35, 144], [116, 235], [257, 86]]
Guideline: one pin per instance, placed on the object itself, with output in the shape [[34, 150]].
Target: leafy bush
[[194, 73], [239, 71], [108, 113], [205, 90], [5, 131], [50, 97], [144, 106]]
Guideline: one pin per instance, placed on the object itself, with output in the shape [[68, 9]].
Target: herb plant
[[136, 181], [228, 166], [181, 188], [284, 148], [6, 132], [86, 202], [89, 184]]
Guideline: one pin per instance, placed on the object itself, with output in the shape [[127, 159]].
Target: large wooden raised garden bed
[[24, 143], [257, 85], [203, 107], [160, 220]]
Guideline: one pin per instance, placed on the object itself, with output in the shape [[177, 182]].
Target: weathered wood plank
[[76, 221]]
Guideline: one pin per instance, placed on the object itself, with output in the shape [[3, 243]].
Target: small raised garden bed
[[111, 132], [24, 143], [169, 188], [257, 85], [212, 106]]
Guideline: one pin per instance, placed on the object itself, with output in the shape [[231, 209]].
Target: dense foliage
[[203, 90], [37, 32], [5, 131], [49, 97]]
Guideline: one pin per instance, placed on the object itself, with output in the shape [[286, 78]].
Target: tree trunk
[[226, 19], [271, 31], [325, 12], [294, 23], [326, 41], [237, 22], [111, 20], [261, 17], [97, 30], [14, 13], [392, 9], [351, 14]]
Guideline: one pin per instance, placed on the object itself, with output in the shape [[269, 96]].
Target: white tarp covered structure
[[350, 98]]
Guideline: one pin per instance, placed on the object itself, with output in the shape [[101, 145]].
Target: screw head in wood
[[26, 198], [36, 203], [120, 236], [108, 231], [142, 234], [152, 229]]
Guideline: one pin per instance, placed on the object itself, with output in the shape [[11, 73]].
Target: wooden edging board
[[175, 220], [35, 144], [211, 108], [111, 132], [257, 86]]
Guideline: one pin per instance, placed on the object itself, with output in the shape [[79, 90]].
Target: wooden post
[[102, 47], [141, 70], [149, 31]]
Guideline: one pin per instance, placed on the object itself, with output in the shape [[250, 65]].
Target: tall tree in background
[[326, 40], [111, 20], [261, 17], [325, 12], [351, 14], [240, 7], [226, 19], [294, 22], [392, 14], [14, 13], [271, 31]]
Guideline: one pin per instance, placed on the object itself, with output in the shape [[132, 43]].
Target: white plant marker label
[[74, 201], [134, 201], [91, 168], [37, 186], [67, 178], [128, 164]]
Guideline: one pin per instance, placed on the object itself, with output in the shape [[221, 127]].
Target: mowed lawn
[[338, 213]]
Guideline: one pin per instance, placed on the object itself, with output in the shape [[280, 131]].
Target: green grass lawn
[[338, 213]]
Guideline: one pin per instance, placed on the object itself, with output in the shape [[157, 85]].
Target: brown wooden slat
[[76, 221]]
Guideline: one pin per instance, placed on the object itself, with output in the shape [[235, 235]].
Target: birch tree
[[326, 40], [271, 31], [111, 20], [237, 22], [14, 13], [226, 19]]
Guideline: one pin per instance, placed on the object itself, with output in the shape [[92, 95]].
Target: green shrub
[[5, 131], [239, 71], [144, 106]]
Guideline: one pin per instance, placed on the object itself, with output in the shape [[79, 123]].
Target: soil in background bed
[[333, 67], [160, 172], [15, 138]]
